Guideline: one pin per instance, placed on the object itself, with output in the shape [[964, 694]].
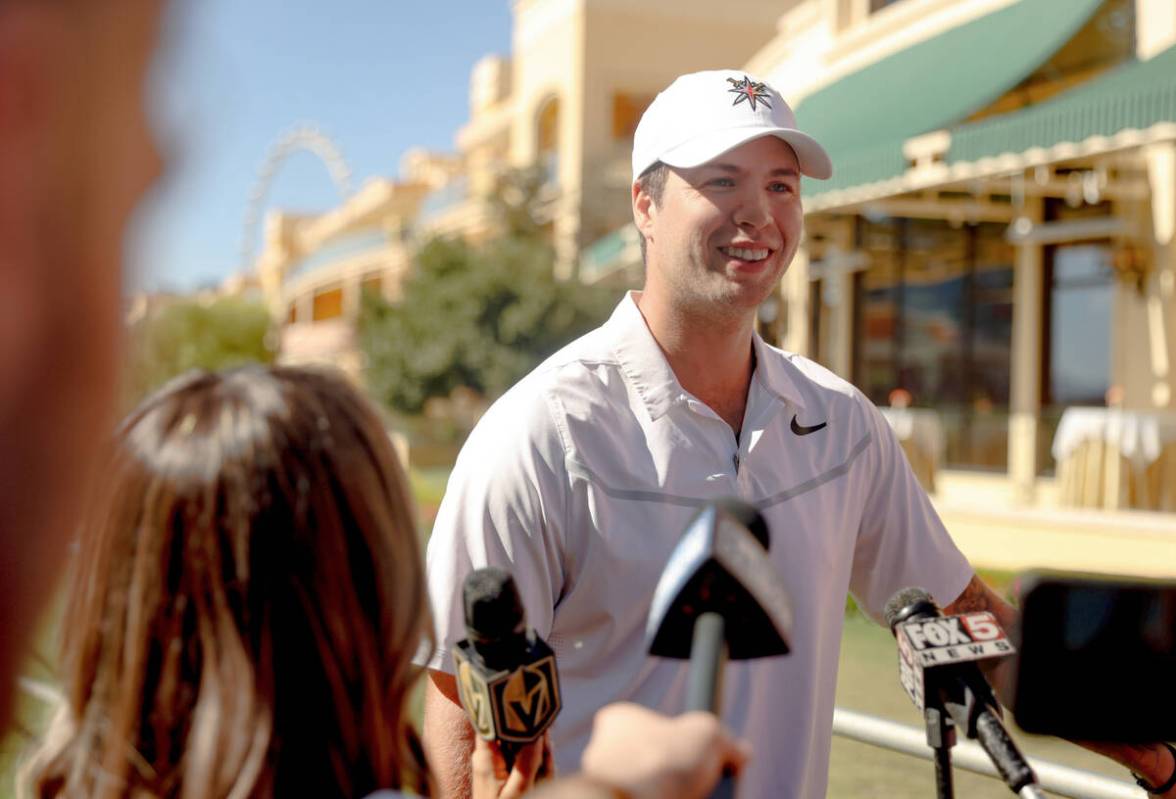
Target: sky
[[377, 76]]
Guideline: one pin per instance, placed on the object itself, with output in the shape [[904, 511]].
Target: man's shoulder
[[814, 382], [580, 375]]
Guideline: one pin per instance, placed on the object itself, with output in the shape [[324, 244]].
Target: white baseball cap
[[704, 114]]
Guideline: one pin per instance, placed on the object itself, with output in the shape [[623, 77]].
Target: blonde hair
[[245, 602]]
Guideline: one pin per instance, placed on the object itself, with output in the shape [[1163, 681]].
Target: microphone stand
[[941, 737]]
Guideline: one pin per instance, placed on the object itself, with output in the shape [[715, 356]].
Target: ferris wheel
[[305, 137]]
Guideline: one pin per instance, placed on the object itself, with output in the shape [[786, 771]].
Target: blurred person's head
[[75, 156], [900, 398], [246, 599]]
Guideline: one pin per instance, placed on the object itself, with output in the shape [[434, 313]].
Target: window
[[626, 113], [1078, 296], [1076, 347], [328, 304], [934, 316], [878, 310], [547, 135], [1081, 295], [816, 319]]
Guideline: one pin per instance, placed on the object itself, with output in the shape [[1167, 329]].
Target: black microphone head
[[747, 515], [493, 609], [907, 603]]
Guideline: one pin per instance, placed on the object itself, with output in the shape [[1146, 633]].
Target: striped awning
[[1135, 96], [864, 118]]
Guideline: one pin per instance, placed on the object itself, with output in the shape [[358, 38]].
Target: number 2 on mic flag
[[926, 643]]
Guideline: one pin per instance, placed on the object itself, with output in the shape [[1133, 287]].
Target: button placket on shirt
[[705, 411]]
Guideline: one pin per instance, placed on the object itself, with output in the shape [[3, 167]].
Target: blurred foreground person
[[75, 156], [244, 606]]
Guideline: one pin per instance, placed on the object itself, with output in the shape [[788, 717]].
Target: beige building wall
[[633, 50]]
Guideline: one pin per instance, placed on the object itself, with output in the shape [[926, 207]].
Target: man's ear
[[644, 210]]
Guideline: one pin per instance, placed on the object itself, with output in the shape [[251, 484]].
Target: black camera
[[1097, 658]]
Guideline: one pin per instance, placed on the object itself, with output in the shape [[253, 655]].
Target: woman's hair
[[245, 602]]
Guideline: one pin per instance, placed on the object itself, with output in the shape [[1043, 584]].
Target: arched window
[[547, 135]]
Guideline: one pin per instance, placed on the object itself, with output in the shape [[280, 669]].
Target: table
[[920, 433], [1114, 458]]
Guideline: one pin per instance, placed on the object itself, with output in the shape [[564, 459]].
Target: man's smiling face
[[723, 233]]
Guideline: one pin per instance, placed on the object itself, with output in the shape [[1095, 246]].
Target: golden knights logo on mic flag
[[526, 701], [475, 698], [515, 706]]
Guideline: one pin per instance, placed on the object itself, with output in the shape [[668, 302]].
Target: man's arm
[[1152, 762], [978, 596], [447, 737]]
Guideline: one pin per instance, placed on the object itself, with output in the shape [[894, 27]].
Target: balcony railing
[[445, 199], [343, 248]]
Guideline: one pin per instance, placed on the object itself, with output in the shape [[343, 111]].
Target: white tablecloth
[[919, 425], [920, 433], [1112, 458], [1139, 436]]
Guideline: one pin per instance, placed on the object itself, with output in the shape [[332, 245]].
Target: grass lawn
[[428, 486]]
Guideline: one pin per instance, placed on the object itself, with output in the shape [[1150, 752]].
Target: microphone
[[936, 658], [719, 597], [506, 675]]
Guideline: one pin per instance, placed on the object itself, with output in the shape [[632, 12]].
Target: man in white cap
[[581, 478]]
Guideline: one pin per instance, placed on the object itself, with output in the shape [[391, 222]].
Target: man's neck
[[710, 354]]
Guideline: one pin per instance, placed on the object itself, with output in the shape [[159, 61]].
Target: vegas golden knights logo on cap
[[527, 701]]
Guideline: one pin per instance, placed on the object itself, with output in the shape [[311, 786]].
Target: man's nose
[[752, 210]]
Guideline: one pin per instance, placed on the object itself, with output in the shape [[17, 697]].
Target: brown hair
[[245, 603], [653, 182]]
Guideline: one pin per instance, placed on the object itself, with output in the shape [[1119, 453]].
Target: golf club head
[[721, 566]]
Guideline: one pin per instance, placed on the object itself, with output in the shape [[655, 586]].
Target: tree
[[475, 316], [190, 334]]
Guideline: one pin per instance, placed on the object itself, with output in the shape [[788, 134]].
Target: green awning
[[864, 118], [1136, 96]]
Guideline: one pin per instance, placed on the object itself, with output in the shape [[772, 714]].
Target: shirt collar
[[642, 360], [645, 366], [775, 373]]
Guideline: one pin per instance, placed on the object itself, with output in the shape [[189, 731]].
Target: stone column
[[794, 296], [1161, 287], [1025, 380], [837, 285]]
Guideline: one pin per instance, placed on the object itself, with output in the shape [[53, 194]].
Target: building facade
[[997, 241]]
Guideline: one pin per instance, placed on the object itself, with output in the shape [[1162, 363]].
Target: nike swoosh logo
[[800, 430]]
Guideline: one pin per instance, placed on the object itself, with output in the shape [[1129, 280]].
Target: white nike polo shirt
[[581, 479]]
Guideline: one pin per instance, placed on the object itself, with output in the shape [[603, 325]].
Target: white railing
[[968, 755]]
